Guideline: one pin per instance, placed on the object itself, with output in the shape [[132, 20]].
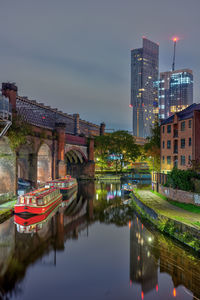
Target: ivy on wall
[[18, 132]]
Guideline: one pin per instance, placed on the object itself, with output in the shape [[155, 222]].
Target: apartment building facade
[[180, 139]]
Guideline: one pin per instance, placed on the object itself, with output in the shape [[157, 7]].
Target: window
[[168, 128], [163, 129], [183, 126], [163, 159], [189, 159], [168, 144], [169, 160], [182, 160], [182, 143], [190, 124], [190, 141], [163, 144]]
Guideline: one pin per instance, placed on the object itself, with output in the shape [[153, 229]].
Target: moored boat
[[38, 201], [33, 223], [65, 184]]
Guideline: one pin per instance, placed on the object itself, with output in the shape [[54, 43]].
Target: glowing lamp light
[[43, 118], [174, 292], [130, 105], [175, 39]]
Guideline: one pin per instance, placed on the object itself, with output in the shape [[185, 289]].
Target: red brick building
[[180, 139]]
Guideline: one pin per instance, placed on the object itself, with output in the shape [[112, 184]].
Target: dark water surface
[[94, 249]]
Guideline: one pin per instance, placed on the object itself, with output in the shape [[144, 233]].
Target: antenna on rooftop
[[174, 39]]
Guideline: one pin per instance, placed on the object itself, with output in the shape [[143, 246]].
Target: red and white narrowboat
[[65, 184], [34, 223], [38, 201]]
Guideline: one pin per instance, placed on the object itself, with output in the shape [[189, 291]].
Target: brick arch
[[44, 163], [77, 151]]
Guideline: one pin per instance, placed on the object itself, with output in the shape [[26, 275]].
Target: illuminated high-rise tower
[[144, 101], [175, 92]]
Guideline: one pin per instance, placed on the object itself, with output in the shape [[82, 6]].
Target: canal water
[[94, 248]]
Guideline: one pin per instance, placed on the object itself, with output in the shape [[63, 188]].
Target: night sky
[[75, 54]]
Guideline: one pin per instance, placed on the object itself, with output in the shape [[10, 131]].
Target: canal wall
[[185, 234], [179, 195]]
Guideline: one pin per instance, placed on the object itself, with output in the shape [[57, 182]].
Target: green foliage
[[181, 179], [189, 207], [121, 144], [18, 132], [151, 150]]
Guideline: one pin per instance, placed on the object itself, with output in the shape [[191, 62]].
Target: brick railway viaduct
[[59, 144]]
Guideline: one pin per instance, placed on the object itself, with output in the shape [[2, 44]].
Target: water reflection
[[93, 247]]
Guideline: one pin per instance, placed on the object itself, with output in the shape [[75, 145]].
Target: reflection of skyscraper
[[144, 71], [143, 267], [175, 92]]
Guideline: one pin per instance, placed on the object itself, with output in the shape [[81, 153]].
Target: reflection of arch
[[44, 164]]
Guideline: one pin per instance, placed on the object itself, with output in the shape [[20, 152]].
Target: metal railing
[[5, 115]]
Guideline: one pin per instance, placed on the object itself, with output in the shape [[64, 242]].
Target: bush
[[182, 180]]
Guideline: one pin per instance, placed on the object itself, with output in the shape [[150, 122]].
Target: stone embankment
[[180, 224]]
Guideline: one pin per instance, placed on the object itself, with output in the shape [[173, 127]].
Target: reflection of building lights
[[174, 292], [148, 254], [142, 295], [138, 258], [97, 196], [150, 239], [131, 282], [142, 226], [129, 224], [156, 287]]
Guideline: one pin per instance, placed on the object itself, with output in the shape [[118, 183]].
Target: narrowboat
[[38, 201], [33, 223], [65, 185]]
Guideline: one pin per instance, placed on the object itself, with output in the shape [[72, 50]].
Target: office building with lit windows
[[175, 92], [144, 98]]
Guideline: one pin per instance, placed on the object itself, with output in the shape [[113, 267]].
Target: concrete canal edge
[[185, 234], [5, 214]]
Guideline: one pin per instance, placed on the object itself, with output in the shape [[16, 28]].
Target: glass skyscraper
[[144, 101], [175, 92]]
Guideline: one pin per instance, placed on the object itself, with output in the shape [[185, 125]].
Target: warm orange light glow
[[129, 224], [142, 226], [174, 292], [142, 295]]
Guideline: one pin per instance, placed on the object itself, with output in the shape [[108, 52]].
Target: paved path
[[165, 208]]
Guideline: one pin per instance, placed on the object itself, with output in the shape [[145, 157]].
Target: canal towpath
[[165, 208]]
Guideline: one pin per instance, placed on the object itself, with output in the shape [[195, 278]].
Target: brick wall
[[180, 196]]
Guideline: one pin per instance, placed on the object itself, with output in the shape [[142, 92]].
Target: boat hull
[[35, 210]]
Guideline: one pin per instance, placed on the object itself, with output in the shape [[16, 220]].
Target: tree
[[152, 148], [118, 147]]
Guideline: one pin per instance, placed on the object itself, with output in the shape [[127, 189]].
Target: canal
[[94, 248]]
